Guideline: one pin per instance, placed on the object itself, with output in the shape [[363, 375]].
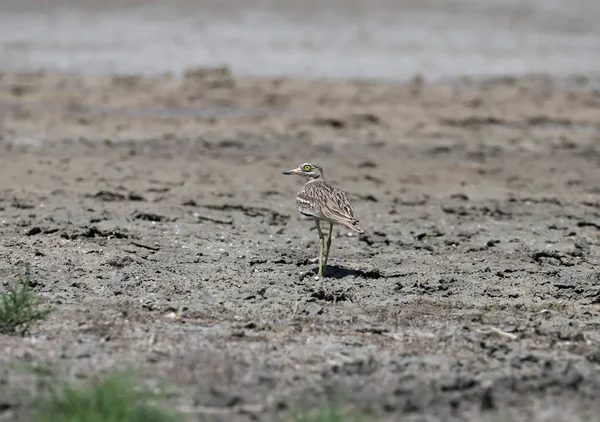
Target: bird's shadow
[[338, 272]]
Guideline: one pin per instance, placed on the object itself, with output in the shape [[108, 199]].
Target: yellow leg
[[321, 241], [328, 244]]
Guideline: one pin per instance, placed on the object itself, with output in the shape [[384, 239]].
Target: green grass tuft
[[117, 398], [19, 307]]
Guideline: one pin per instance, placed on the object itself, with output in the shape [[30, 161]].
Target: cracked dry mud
[[158, 225]]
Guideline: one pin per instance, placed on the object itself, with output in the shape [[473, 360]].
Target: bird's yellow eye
[[306, 168]]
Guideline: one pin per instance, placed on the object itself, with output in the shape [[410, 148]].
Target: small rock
[[134, 196], [173, 315], [120, 261], [148, 216], [367, 164], [459, 196], [33, 231], [312, 309]]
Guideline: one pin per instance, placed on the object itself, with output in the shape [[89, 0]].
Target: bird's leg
[[321, 240], [328, 244]]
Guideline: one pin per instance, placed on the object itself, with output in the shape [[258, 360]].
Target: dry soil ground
[[157, 223]]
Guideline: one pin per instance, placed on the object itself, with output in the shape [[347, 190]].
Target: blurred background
[[380, 39]]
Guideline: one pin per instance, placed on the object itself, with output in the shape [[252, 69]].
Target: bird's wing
[[338, 206], [327, 202]]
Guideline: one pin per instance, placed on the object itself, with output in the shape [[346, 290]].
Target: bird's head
[[308, 170]]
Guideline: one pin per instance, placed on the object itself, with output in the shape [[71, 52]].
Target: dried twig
[[498, 331], [214, 220], [296, 304], [145, 246]]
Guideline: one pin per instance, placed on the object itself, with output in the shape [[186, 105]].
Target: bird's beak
[[294, 171]]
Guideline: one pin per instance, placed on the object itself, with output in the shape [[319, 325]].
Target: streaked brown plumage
[[322, 201]]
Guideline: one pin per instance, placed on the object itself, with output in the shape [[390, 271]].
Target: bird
[[323, 202]]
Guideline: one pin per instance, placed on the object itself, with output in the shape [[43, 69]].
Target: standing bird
[[322, 201]]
